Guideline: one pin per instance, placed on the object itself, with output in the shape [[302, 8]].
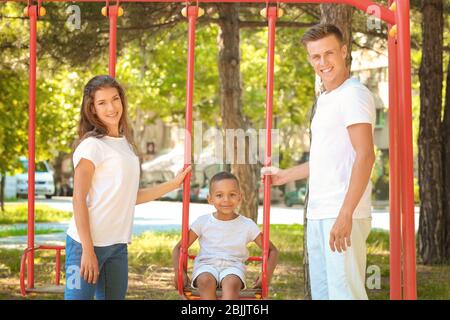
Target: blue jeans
[[112, 282]]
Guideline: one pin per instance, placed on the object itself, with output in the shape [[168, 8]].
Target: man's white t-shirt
[[225, 240], [332, 154], [112, 196]]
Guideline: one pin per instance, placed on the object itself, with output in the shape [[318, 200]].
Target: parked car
[[44, 181], [276, 195], [295, 197], [155, 177]]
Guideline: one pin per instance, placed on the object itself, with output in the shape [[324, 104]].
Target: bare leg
[[206, 284], [231, 287]]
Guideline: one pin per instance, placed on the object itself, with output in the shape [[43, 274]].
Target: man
[[339, 168]]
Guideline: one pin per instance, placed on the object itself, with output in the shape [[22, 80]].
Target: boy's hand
[[277, 175], [258, 282], [186, 280]]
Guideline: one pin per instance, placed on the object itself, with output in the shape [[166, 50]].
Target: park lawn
[[23, 232], [18, 213], [150, 271]]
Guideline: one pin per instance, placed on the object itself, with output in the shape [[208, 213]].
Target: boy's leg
[[316, 260], [232, 281], [113, 281], [205, 278], [347, 270], [76, 287]]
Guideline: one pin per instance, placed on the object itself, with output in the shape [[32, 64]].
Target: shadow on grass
[[151, 275]]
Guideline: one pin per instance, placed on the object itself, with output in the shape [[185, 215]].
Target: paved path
[[165, 215]]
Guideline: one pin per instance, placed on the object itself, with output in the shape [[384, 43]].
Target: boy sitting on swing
[[223, 238]]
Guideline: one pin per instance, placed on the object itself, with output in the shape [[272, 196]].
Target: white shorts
[[219, 270]]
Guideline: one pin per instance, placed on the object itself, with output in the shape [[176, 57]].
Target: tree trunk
[[230, 100], [432, 219], [2, 191], [446, 161]]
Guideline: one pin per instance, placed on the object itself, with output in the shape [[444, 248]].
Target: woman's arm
[[82, 183], [271, 261], [152, 193], [176, 258]]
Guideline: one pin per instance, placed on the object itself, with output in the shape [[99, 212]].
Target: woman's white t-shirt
[[226, 240], [112, 196], [332, 154]]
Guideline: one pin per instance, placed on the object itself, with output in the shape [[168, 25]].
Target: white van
[[44, 181]]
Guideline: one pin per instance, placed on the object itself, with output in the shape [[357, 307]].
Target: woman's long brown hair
[[90, 125]]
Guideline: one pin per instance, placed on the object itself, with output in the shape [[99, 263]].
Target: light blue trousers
[[334, 275]]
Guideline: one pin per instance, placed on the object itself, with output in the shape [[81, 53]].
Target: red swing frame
[[401, 194]]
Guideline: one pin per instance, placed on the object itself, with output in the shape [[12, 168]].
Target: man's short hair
[[222, 176], [320, 31]]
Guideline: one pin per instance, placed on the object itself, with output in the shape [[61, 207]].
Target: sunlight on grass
[[18, 213], [151, 273]]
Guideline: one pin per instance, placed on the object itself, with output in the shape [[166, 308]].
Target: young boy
[[223, 238]]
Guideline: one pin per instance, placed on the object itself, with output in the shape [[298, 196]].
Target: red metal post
[[405, 114], [112, 14], [33, 14], [363, 5], [58, 266], [394, 175], [192, 13], [272, 13]]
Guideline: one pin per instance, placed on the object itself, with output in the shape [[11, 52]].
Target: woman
[[106, 189]]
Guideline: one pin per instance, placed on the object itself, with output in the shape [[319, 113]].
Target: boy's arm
[[176, 258], [271, 261]]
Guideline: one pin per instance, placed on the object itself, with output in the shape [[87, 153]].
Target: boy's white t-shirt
[[332, 154], [112, 196], [225, 240]]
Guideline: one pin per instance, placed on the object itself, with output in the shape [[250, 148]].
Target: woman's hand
[[179, 178], [89, 266]]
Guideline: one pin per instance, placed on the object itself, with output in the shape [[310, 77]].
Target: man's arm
[[362, 142], [283, 176]]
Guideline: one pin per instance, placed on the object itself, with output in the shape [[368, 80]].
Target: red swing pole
[[112, 12], [394, 169], [405, 115], [32, 12], [271, 12], [191, 12]]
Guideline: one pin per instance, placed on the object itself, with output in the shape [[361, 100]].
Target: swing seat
[[56, 288], [247, 294], [53, 288]]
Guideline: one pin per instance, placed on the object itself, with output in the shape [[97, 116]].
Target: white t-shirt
[[112, 196], [225, 240], [332, 155]]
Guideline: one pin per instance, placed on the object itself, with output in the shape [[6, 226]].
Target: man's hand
[[277, 175], [340, 233]]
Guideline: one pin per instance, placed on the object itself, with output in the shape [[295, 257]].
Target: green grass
[[23, 232], [18, 213], [150, 267]]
